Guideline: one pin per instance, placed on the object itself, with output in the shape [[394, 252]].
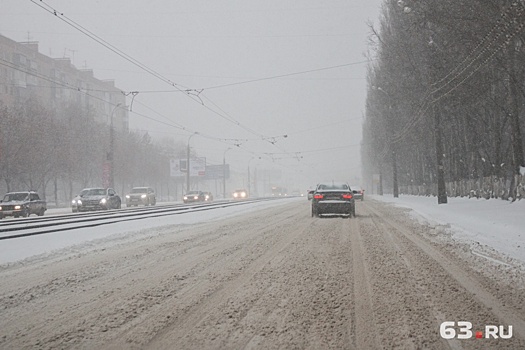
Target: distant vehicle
[[333, 198], [22, 204], [194, 196], [97, 199], [310, 194], [208, 197], [240, 194], [141, 196], [358, 192], [278, 191], [296, 192]]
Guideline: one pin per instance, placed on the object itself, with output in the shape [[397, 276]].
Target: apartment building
[[26, 73]]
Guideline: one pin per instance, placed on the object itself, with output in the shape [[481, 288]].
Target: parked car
[[333, 198], [208, 197], [240, 194], [358, 192], [23, 204], [97, 199], [141, 196], [194, 196]]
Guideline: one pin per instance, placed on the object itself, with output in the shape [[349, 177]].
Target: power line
[[286, 75]]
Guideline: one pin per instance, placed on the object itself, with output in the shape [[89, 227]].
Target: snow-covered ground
[[498, 224], [13, 250]]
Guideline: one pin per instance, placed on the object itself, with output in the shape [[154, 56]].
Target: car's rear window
[[96, 192], [16, 196], [333, 187]]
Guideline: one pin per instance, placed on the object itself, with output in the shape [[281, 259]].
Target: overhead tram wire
[[477, 48], [430, 99], [512, 22], [191, 93], [46, 7], [284, 75], [430, 95], [65, 85]]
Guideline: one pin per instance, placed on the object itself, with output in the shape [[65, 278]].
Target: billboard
[[178, 167], [214, 172]]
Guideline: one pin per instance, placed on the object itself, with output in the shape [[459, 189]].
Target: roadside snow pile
[[498, 224]]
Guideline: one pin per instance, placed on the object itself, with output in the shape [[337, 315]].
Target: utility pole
[[224, 173], [188, 163], [111, 155]]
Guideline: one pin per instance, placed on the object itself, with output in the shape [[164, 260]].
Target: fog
[[268, 85]]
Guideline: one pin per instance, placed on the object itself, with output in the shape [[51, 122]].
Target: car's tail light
[[318, 196], [347, 196]]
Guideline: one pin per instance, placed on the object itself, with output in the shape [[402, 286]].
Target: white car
[[358, 192]]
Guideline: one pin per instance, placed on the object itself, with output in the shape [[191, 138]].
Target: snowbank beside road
[[497, 224]]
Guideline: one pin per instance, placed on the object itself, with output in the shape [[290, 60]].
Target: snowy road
[[273, 278]]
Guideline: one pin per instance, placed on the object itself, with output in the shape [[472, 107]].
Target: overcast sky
[[237, 59]]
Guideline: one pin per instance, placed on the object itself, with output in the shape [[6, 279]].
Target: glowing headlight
[[207, 197], [185, 197], [127, 196], [73, 202], [195, 197], [143, 196], [0, 207], [17, 207], [103, 201], [79, 202], [243, 194]]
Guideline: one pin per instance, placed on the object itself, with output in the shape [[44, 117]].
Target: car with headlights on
[[194, 196], [22, 203], [240, 194], [141, 196], [208, 197], [333, 198], [97, 199]]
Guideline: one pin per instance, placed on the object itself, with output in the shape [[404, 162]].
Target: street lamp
[[249, 183], [111, 154], [224, 173], [188, 163]]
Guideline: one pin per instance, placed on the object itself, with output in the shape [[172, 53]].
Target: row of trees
[[446, 93], [57, 152]]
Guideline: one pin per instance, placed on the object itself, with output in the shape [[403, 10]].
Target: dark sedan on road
[[332, 198], [194, 196]]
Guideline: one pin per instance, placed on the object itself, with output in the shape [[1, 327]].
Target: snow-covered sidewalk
[[495, 223]]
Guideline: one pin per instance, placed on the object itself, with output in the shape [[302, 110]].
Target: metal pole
[[224, 173], [188, 163], [112, 147], [188, 167]]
